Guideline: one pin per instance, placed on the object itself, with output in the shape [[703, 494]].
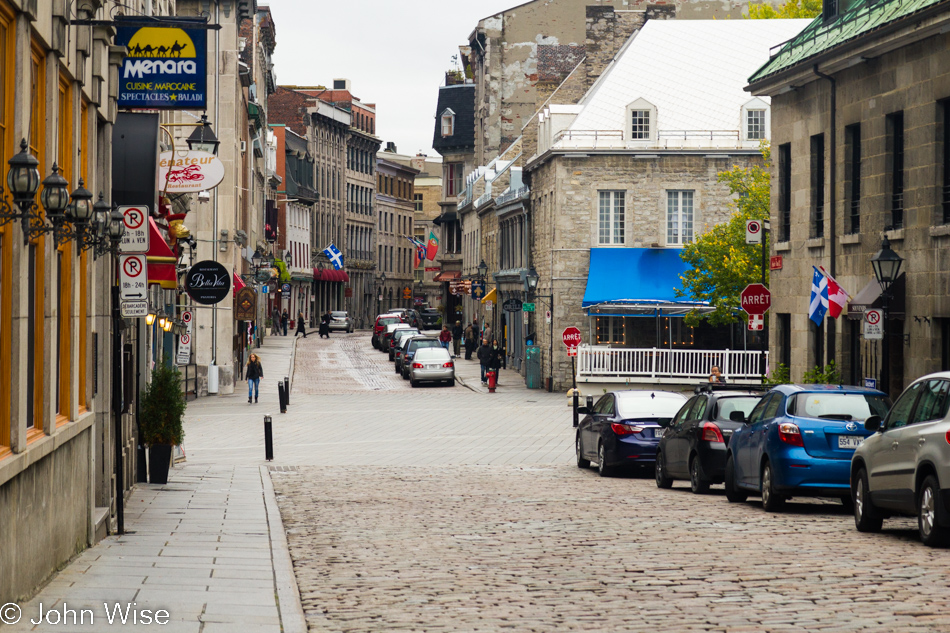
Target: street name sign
[[874, 324], [756, 299], [571, 336], [133, 278], [527, 307], [135, 238]]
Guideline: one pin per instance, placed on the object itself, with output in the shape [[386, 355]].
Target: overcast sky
[[394, 52]]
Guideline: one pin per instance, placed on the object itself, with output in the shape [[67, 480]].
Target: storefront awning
[[870, 298], [451, 216], [160, 258], [637, 281], [238, 284], [490, 296], [328, 274], [448, 275]]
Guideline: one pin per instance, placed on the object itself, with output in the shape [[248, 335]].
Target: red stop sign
[[756, 299], [571, 336]]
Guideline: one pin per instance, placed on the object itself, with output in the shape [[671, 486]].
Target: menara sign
[[166, 66]]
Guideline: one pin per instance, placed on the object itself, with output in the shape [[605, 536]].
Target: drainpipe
[[833, 147]]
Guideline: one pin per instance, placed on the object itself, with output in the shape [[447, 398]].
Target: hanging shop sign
[[246, 304], [208, 282], [512, 305], [165, 66], [189, 171]]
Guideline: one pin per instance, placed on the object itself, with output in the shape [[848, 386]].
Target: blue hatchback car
[[798, 442]]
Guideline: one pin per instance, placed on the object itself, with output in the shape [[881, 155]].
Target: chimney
[[341, 84], [390, 147], [418, 162]]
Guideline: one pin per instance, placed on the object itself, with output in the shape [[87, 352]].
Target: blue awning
[[636, 281]]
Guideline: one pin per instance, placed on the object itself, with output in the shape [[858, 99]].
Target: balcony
[[666, 140], [666, 366]]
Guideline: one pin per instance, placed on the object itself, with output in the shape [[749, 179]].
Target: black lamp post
[[887, 266], [482, 270], [23, 180], [379, 294], [55, 199], [203, 138]]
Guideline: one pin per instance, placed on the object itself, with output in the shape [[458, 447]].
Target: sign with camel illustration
[[165, 66]]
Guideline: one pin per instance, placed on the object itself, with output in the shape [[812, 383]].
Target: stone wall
[[911, 79]]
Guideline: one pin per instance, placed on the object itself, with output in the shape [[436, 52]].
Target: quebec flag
[[818, 305], [334, 255]]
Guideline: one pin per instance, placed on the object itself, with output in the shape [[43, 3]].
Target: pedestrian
[[275, 322], [445, 337], [254, 372], [484, 357], [715, 376], [325, 324], [469, 336], [284, 317], [301, 326], [487, 333], [457, 332], [495, 358]]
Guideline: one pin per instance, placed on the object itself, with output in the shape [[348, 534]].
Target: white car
[[432, 364]]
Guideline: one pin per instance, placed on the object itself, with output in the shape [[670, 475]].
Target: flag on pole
[[818, 306], [838, 297], [420, 250], [432, 247], [334, 255]]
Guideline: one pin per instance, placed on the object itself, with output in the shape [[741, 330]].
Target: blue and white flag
[[819, 297], [336, 258]]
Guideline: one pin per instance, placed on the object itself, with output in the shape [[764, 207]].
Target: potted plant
[[162, 411]]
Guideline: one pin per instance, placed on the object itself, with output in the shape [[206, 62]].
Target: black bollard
[[286, 390], [576, 416], [268, 439], [282, 396]]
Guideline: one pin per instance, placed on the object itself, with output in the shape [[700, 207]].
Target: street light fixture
[[482, 270], [256, 259], [887, 265], [531, 281], [202, 138]]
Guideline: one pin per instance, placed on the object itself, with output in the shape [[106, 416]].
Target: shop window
[[676, 333], [37, 255], [679, 217], [610, 331]]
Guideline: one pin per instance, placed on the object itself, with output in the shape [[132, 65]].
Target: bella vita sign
[[190, 171]]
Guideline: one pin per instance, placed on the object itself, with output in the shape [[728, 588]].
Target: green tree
[[720, 263], [791, 9]]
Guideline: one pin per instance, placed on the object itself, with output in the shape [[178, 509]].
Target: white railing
[[608, 364]]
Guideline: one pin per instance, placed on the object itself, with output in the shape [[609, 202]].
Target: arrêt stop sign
[[571, 336], [756, 299]]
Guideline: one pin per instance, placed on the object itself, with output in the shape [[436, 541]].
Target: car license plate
[[849, 441], [658, 432], [432, 366]]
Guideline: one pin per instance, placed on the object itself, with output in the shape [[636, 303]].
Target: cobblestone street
[[427, 527]]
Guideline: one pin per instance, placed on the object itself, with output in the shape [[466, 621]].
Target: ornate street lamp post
[[887, 265]]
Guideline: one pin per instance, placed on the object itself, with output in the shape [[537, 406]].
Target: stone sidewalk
[[209, 547]]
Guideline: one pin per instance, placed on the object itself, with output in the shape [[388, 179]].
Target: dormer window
[[641, 121], [448, 122], [755, 120]]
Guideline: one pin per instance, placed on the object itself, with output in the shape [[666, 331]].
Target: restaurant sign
[[165, 66], [189, 171]]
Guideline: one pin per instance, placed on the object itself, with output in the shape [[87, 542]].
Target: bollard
[[281, 396], [268, 439], [286, 390], [576, 420]]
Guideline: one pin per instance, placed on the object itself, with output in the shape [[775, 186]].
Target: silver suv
[[904, 468]]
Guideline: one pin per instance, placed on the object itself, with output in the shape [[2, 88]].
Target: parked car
[[387, 336], [431, 364], [413, 318], [430, 319], [623, 429], [340, 320], [798, 441], [693, 446], [904, 467], [401, 349], [415, 344], [396, 338], [380, 324]]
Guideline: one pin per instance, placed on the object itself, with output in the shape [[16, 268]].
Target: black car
[[693, 445], [396, 337], [413, 318], [430, 319], [417, 342]]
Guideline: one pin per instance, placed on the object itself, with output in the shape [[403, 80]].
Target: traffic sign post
[[874, 325], [571, 337], [527, 307], [753, 232], [133, 278], [134, 308], [135, 237], [756, 301]]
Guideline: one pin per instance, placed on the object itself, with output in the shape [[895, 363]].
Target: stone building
[[627, 177], [860, 122], [395, 253]]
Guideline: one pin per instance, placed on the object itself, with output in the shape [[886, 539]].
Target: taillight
[[449, 364], [789, 433], [417, 365], [711, 433], [948, 437], [625, 429]]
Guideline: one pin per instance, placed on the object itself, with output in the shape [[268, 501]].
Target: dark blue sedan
[[798, 442]]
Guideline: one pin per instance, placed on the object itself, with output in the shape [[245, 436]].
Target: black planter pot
[[159, 459]]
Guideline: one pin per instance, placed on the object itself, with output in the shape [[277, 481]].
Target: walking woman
[[253, 373], [301, 326], [495, 358]]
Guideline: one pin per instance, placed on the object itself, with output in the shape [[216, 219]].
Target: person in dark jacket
[[275, 322], [457, 332], [254, 372], [301, 326], [325, 324], [484, 357], [284, 317], [468, 338], [495, 358]]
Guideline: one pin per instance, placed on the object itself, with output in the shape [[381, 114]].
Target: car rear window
[[388, 321], [639, 406], [338, 314], [725, 406], [433, 353], [837, 406], [429, 342]]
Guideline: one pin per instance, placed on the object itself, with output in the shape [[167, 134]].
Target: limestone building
[[860, 131], [395, 253]]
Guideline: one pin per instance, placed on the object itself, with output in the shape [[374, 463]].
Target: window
[[852, 174], [818, 185], [611, 217], [944, 109], [639, 124], [785, 339], [900, 413], [417, 201], [610, 331], [7, 75], [895, 155], [679, 217], [785, 192], [37, 255], [755, 125], [453, 179], [933, 402], [448, 123]]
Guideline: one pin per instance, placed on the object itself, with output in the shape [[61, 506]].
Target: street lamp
[[531, 281], [379, 293], [887, 265], [256, 259], [202, 138], [482, 270]]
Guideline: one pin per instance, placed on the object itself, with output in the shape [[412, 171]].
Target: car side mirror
[[873, 423], [583, 411], [736, 416]]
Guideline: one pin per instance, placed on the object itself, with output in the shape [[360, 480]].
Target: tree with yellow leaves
[[791, 9], [720, 263]]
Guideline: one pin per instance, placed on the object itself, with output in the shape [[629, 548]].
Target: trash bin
[[532, 369]]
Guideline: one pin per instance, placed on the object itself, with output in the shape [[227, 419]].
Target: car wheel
[[602, 468], [866, 516], [581, 462], [697, 478], [414, 383], [733, 493], [931, 533], [659, 470], [398, 369], [771, 500]]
